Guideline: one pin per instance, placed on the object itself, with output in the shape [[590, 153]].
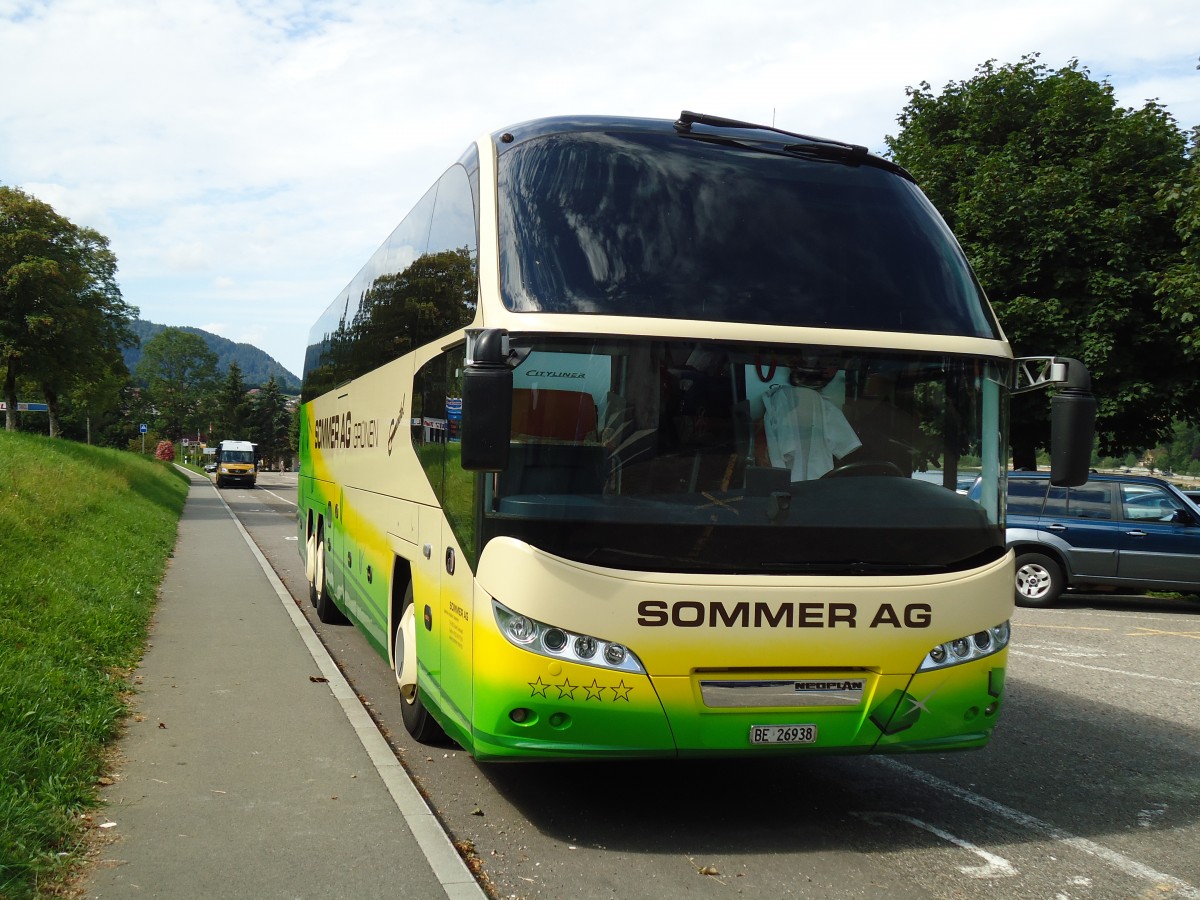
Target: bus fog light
[[519, 715]]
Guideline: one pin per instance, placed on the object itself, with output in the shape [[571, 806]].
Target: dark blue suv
[[1124, 531]]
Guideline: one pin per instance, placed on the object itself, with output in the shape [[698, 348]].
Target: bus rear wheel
[[318, 593], [417, 720]]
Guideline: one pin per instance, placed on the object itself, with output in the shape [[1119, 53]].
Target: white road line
[[994, 866], [1119, 861], [276, 496], [1105, 669]]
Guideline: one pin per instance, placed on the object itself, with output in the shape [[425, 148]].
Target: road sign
[[142, 428], [26, 407]]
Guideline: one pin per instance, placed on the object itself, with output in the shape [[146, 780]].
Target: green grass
[[84, 538]]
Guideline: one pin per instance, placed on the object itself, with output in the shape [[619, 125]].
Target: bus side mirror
[[487, 404], [1072, 427]]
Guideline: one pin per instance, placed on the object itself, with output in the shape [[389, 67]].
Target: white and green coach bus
[[641, 438]]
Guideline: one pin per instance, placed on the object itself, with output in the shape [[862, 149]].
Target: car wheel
[[417, 720], [327, 610], [1039, 580]]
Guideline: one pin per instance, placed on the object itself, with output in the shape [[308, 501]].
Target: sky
[[245, 157]]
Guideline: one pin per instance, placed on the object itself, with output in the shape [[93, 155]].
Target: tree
[[1179, 290], [271, 422], [234, 410], [1051, 190], [62, 318], [179, 374]]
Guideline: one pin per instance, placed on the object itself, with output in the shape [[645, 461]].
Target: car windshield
[[684, 456], [639, 223], [237, 456]]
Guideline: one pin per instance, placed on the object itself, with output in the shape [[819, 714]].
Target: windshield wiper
[[821, 148], [687, 118]]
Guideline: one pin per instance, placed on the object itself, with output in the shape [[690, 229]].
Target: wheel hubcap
[[403, 656], [1033, 581]]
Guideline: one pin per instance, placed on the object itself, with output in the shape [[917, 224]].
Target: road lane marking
[[994, 866], [1119, 861], [1158, 632], [276, 496], [1063, 627], [1106, 669]]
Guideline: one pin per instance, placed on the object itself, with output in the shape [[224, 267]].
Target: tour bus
[[236, 463], [624, 444]]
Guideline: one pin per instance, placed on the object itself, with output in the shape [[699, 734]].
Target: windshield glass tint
[[680, 456], [655, 224]]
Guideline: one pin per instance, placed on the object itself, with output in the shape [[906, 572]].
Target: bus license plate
[[783, 734]]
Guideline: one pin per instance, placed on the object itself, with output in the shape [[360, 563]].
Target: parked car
[[1116, 531], [210, 467]]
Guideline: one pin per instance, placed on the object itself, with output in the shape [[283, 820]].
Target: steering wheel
[[865, 467]]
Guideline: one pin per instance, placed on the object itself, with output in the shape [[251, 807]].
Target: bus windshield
[[675, 455], [637, 223], [237, 456]]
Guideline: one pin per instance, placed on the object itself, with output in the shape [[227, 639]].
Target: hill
[[256, 365]]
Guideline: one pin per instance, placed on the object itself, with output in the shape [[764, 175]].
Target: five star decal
[[594, 691]]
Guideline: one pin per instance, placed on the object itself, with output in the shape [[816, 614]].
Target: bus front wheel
[[417, 720]]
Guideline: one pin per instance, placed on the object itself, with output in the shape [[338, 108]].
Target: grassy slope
[[84, 538]]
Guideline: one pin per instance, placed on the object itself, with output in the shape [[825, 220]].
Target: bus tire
[[417, 720], [318, 593], [1039, 580]]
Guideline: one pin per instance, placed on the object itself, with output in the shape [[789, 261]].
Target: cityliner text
[[760, 614]]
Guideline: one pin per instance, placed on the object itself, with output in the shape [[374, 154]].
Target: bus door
[[457, 620]]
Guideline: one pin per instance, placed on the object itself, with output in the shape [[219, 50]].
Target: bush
[[165, 450]]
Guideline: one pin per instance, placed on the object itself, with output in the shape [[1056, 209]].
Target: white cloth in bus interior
[[805, 431]]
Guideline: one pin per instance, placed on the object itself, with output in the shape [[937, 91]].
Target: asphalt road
[[1090, 788]]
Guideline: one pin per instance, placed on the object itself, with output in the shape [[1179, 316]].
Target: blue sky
[[245, 157]]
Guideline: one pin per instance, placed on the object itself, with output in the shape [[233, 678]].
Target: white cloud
[[245, 156]]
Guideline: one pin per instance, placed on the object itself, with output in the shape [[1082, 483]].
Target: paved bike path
[[250, 769]]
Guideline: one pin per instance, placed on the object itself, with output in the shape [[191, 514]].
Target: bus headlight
[[560, 643], [967, 648]]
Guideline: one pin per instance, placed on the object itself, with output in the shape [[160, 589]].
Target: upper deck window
[[648, 223]]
